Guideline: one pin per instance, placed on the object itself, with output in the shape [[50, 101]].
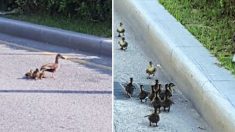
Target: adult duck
[[52, 67]]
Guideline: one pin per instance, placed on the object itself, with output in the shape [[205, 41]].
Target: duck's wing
[[49, 66]]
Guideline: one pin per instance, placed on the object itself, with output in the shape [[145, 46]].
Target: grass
[[206, 22], [102, 29]]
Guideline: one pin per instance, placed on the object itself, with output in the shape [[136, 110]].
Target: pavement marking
[[57, 91], [73, 59]]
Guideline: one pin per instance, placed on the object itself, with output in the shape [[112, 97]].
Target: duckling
[[159, 89], [130, 88], [143, 94], [153, 118], [123, 44], [167, 103], [121, 30], [151, 95], [52, 67], [41, 75], [35, 74], [156, 102], [156, 83], [169, 89], [162, 93], [151, 69], [29, 74]]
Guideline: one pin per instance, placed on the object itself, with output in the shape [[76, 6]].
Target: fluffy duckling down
[[153, 118], [121, 30], [151, 69], [123, 44]]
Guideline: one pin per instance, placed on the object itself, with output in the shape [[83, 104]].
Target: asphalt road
[[78, 99], [129, 113]]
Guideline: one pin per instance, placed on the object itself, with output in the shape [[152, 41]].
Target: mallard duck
[[123, 44], [52, 67], [143, 94], [130, 88], [36, 74], [167, 103], [156, 102], [151, 69], [29, 74], [153, 118], [120, 30]]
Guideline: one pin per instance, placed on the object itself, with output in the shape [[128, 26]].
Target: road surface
[[78, 99]]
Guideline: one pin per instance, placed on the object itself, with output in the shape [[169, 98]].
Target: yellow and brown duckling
[[169, 89], [36, 74], [151, 70], [143, 94], [52, 67], [123, 44], [121, 30], [129, 88], [151, 95], [167, 103], [156, 102], [29, 74], [153, 118]]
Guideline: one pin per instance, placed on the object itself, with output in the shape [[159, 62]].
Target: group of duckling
[[122, 42], [158, 97], [50, 67]]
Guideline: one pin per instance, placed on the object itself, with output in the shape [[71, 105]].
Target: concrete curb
[[184, 59], [82, 42]]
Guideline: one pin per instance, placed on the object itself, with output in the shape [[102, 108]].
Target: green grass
[[206, 22], [102, 29]]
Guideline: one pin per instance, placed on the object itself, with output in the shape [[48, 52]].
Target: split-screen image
[[117, 66]]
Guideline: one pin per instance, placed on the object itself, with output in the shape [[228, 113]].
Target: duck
[[35, 74], [156, 102], [143, 94], [123, 44], [129, 88], [151, 69], [167, 103], [29, 74], [153, 118], [52, 67], [165, 92], [121, 30]]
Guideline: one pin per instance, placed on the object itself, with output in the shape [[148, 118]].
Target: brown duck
[[52, 67]]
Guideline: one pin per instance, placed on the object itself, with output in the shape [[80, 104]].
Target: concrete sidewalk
[[184, 59]]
